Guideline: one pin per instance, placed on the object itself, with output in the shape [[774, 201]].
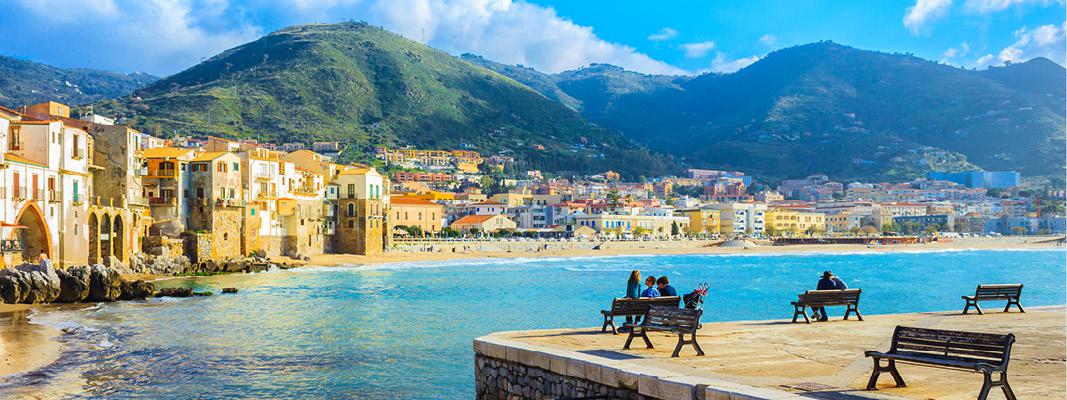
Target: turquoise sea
[[405, 330]]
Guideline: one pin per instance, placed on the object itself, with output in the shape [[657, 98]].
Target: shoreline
[[659, 248], [27, 346]]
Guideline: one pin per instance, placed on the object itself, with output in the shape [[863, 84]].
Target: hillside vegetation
[[834, 109], [25, 82], [364, 86]]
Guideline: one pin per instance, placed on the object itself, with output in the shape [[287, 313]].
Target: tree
[[869, 230], [855, 230], [674, 228], [771, 230], [613, 198], [889, 227]]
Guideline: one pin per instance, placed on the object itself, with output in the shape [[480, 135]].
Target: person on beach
[[633, 291], [650, 290], [828, 282], [663, 285]]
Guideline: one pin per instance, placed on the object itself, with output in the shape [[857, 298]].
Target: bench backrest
[[629, 306], [835, 296], [1010, 291], [989, 348], [682, 318]]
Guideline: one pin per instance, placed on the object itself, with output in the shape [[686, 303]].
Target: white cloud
[[663, 34], [991, 6], [985, 61], [503, 31], [955, 52], [698, 49], [158, 36], [1043, 41], [165, 36], [924, 12], [723, 65], [768, 40]]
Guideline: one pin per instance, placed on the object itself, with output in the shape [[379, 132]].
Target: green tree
[[674, 228]]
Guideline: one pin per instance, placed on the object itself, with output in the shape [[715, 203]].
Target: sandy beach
[[27, 347]]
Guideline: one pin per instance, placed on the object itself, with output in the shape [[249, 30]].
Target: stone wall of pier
[[497, 379]]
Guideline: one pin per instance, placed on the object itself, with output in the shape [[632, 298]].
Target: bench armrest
[[872, 353], [967, 297], [984, 367]]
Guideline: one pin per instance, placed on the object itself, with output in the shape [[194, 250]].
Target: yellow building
[[792, 221], [703, 221], [411, 211]]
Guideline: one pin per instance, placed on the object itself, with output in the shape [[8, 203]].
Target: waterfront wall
[[509, 369]]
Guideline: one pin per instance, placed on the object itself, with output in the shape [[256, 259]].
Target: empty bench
[[625, 306], [823, 298], [679, 321], [983, 353], [1009, 292]]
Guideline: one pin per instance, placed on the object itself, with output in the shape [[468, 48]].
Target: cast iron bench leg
[[1014, 302], [891, 368], [987, 383], [1008, 393], [967, 305], [678, 347], [800, 310], [979, 308], [700, 352]]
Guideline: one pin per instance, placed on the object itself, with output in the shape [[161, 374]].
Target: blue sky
[[166, 36]]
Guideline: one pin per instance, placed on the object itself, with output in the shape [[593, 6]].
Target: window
[[351, 191], [200, 191], [74, 148], [16, 138], [236, 167], [351, 209]]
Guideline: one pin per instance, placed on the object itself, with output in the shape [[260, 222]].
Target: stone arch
[[36, 238], [105, 239], [94, 239], [117, 239]]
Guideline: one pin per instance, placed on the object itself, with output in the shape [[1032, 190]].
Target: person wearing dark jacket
[[828, 282], [664, 286]]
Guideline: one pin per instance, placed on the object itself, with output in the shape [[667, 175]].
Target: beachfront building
[[632, 224], [741, 218], [922, 223], [411, 212], [702, 221], [483, 223], [165, 186], [361, 221], [217, 214], [783, 220], [44, 176]]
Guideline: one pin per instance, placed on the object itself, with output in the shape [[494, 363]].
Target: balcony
[[19, 193], [163, 200], [11, 246]]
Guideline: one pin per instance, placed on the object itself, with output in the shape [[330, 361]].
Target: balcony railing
[[162, 200]]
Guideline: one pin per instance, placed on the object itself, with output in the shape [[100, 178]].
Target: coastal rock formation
[[73, 284], [162, 264], [43, 283], [30, 283], [136, 290], [105, 284], [175, 292]]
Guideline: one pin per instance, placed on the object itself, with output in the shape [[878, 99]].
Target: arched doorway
[[105, 239], [117, 238], [35, 238], [94, 240]]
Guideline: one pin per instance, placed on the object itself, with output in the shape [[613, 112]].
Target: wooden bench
[[625, 306], [1009, 292], [823, 298], [680, 321], [983, 353]]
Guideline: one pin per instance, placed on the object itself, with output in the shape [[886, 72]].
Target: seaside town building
[[411, 211], [483, 223]]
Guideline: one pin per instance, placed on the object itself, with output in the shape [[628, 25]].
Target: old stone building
[[361, 223], [217, 206]]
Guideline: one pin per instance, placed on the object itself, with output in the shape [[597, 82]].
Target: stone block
[[608, 375], [557, 364], [576, 368], [648, 385]]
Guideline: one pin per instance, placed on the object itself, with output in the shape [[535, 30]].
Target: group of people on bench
[[828, 282], [653, 287]]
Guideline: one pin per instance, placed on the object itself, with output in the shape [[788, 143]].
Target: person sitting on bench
[[633, 291], [663, 285], [650, 290], [828, 282]]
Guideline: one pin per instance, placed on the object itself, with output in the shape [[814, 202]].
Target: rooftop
[[769, 359]]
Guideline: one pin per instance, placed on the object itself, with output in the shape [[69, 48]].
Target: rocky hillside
[[364, 86], [834, 109], [25, 82]]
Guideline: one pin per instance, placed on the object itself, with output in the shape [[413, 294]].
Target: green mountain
[[532, 78], [364, 86], [26, 82], [834, 109]]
